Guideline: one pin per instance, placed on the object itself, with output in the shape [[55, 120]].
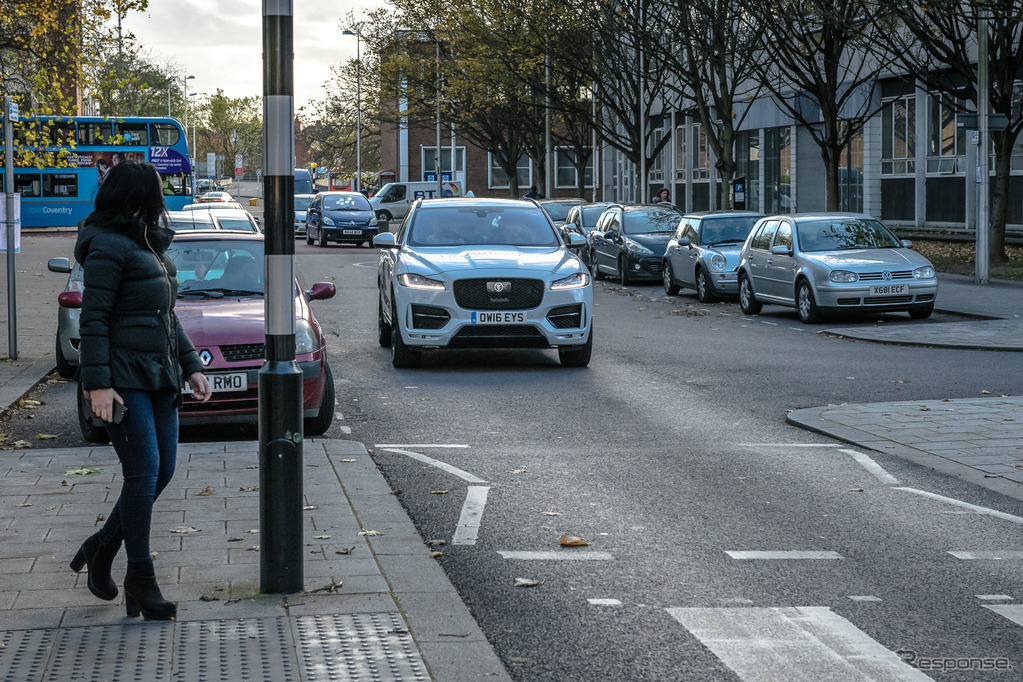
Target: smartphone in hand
[[119, 411]]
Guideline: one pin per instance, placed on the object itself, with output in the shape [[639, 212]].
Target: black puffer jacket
[[131, 337]]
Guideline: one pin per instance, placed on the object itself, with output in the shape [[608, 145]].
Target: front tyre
[[383, 328], [594, 268], [323, 239], [577, 356], [670, 288], [623, 272], [704, 289], [748, 302], [402, 357], [806, 306], [318, 425]]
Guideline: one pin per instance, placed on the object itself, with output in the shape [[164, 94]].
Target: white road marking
[[420, 445], [792, 643], [993, 597], [872, 466], [557, 556], [373, 265], [472, 513], [974, 556], [864, 597], [464, 475], [794, 554], [790, 445], [773, 324], [605, 602], [1013, 612], [964, 505]]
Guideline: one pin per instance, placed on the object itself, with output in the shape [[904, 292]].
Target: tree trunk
[[999, 200], [831, 158]]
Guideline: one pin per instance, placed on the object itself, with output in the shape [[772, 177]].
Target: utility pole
[[10, 115], [983, 255], [280, 378]]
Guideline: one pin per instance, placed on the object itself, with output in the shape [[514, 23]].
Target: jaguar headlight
[[718, 262], [305, 337], [925, 272], [414, 281], [576, 281], [843, 276]]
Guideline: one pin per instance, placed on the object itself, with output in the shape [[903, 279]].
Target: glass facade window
[[430, 156], [945, 143], [747, 165], [850, 174], [499, 179], [898, 136], [680, 153], [778, 170], [701, 153], [565, 173]]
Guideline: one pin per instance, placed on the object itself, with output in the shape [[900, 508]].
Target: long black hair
[[133, 190]]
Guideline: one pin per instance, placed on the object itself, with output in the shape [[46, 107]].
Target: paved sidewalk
[[376, 605]]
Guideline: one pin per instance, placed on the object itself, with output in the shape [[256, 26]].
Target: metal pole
[[983, 255], [12, 299], [641, 82], [280, 378], [358, 113], [547, 127], [436, 157], [168, 99]]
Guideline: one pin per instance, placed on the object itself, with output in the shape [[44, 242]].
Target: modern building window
[[430, 156], [898, 136], [850, 174], [747, 165], [566, 175], [499, 179], [701, 154], [656, 170], [778, 170], [680, 153], [946, 143]]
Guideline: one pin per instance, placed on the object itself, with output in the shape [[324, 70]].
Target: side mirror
[[60, 264], [321, 291], [576, 240], [385, 240], [685, 242], [69, 299], [907, 243], [781, 250]]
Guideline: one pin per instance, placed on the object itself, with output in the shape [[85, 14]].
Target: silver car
[[704, 253], [70, 301], [827, 263]]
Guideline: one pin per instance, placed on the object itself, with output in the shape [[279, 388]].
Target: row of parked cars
[[820, 264]]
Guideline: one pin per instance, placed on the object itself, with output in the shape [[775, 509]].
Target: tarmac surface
[[375, 604]]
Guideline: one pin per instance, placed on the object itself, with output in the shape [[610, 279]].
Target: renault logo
[[206, 357], [498, 287]]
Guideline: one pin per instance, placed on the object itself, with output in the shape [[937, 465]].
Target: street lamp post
[[358, 107], [170, 85]]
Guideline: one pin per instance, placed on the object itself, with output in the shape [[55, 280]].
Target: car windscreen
[[191, 221], [482, 225], [648, 220], [302, 203], [218, 267], [241, 224], [726, 229], [591, 214], [558, 211], [844, 234], [348, 202]]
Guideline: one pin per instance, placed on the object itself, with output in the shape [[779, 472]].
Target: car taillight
[[70, 299]]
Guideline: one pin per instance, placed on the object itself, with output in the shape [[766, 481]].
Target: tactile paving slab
[[236, 649], [374, 646]]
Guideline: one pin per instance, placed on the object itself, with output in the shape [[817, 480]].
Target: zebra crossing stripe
[[793, 643]]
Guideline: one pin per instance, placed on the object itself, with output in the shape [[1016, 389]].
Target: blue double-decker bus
[[59, 162]]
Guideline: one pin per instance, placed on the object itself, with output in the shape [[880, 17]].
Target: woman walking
[[133, 356]]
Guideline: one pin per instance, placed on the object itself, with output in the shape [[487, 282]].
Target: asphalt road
[[669, 455]]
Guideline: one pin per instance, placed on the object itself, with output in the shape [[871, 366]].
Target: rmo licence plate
[[223, 383]]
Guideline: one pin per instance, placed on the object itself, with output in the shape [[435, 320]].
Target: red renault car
[[220, 305]]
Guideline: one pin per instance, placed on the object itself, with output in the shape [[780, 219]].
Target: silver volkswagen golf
[[826, 263], [482, 273]]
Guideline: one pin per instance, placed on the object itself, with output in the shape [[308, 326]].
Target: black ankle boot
[[142, 594], [99, 557]]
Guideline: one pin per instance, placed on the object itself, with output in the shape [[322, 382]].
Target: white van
[[394, 199]]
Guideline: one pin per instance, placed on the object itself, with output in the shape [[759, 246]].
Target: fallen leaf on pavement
[[83, 472], [551, 513], [184, 529], [992, 476], [253, 530], [28, 402], [439, 492], [234, 539], [519, 471], [345, 550], [321, 537], [254, 548], [572, 541], [252, 466], [985, 392], [308, 507], [370, 533], [856, 490], [526, 582], [209, 597], [24, 504], [250, 489], [436, 555], [205, 491], [45, 436], [326, 588], [436, 543]]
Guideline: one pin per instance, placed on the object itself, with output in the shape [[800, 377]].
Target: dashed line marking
[[793, 554], [420, 445], [790, 445], [1004, 555], [864, 597], [605, 602], [873, 467], [964, 505], [993, 597], [464, 475], [557, 556], [472, 514], [1013, 612]]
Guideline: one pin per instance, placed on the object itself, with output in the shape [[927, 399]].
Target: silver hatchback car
[[704, 252], [826, 263]]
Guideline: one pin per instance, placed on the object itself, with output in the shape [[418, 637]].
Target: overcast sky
[[220, 42]]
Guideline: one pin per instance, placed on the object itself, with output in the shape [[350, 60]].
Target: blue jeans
[[146, 443]]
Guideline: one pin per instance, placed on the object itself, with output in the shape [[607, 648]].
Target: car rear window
[[482, 225]]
